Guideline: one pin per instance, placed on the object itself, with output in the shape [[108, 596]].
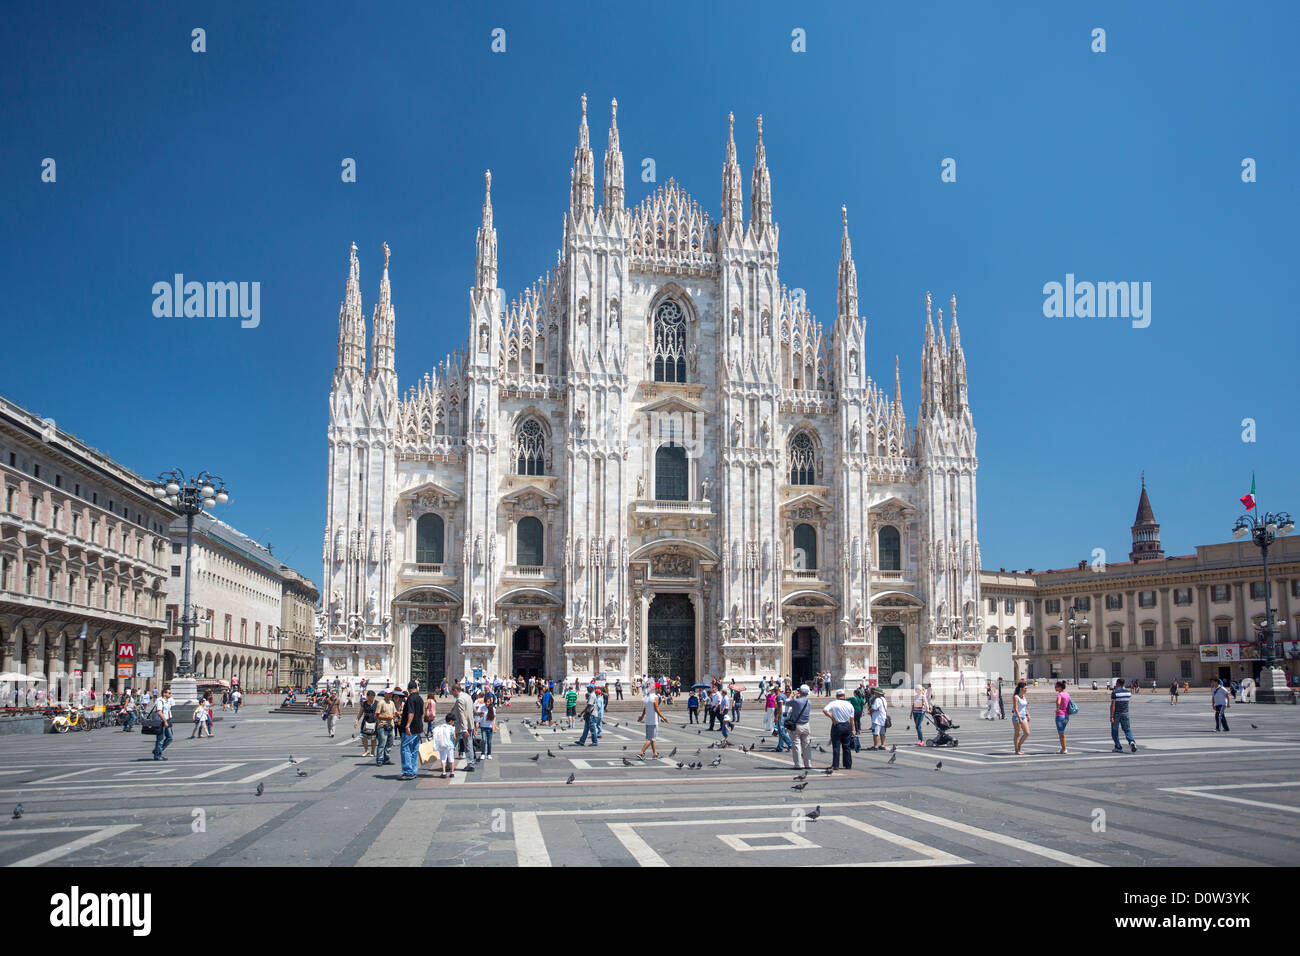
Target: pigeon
[[18, 812], [301, 772], [697, 751], [802, 776], [572, 777], [625, 746], [670, 756], [821, 749], [560, 746], [828, 771], [680, 765], [893, 757], [260, 789], [291, 760], [549, 752], [800, 786], [894, 749], [814, 814], [1254, 727], [627, 763], [939, 765], [716, 761], [535, 757], [698, 731]]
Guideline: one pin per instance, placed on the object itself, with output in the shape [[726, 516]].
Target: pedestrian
[[128, 708], [840, 712], [1119, 700], [598, 723], [651, 715], [412, 730], [920, 707], [200, 720], [1064, 708], [618, 688], [430, 716], [1173, 693], [235, 699], [859, 703], [880, 721], [544, 702], [163, 708], [769, 706], [366, 721], [463, 710], [1020, 717], [692, 707], [1002, 710], [736, 702], [487, 722], [783, 740], [588, 716], [1221, 701], [990, 702], [385, 717], [332, 712], [444, 738], [570, 706], [797, 723]]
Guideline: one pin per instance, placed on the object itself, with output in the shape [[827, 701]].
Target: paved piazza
[[1188, 797]]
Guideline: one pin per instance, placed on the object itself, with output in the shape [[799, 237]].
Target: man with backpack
[[797, 724]]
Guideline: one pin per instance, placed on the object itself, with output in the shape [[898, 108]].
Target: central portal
[[805, 656], [428, 656], [528, 652], [671, 648]]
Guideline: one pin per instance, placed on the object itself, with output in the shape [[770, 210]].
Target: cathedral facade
[[654, 460]]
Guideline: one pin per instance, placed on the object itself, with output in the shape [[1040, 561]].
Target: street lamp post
[[1074, 610], [1264, 529], [189, 496]]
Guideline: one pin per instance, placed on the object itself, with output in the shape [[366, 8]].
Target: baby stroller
[[942, 723]]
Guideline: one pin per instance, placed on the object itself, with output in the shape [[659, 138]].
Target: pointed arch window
[[528, 543], [805, 548], [530, 448], [428, 539], [670, 343], [671, 473], [803, 460], [890, 549]]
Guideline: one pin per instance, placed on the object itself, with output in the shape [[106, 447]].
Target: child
[[444, 738]]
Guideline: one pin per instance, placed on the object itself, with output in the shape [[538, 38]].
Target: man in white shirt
[[1222, 700], [164, 710], [840, 711]]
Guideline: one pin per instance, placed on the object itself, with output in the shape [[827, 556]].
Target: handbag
[[428, 752], [889, 721], [368, 728]]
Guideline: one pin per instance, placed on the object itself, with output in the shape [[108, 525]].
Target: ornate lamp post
[[1077, 619], [189, 496], [1264, 529]]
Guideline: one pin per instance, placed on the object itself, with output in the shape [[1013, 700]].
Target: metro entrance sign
[[126, 660]]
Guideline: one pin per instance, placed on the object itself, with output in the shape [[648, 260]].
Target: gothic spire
[[732, 202], [760, 189], [847, 298], [485, 263], [898, 386], [352, 324], [582, 181], [383, 346], [1145, 530], [612, 194], [956, 363]]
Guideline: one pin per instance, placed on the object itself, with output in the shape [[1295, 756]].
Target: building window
[[50, 578], [670, 343], [803, 460], [1148, 637], [1083, 641], [1116, 669], [1083, 670], [1146, 599], [1115, 638], [805, 548], [1053, 642], [1114, 602], [528, 543], [1257, 590], [176, 548], [1220, 593], [428, 539], [1083, 603], [993, 605], [36, 504], [1184, 635], [6, 566], [671, 473], [1295, 584], [890, 548], [1029, 607], [530, 448], [1182, 596], [1052, 606], [1150, 667], [1029, 642], [1223, 633], [1185, 669], [58, 481], [1010, 605]]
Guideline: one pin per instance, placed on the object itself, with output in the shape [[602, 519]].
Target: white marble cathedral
[[656, 460]]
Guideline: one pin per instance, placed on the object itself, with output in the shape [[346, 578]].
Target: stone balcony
[[531, 573], [426, 571], [651, 513]]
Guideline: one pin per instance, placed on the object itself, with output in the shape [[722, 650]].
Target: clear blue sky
[[1117, 166]]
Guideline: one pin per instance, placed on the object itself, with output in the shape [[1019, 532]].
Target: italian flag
[[1248, 499]]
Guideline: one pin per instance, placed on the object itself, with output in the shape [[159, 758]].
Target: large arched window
[[890, 549], [671, 473], [530, 448], [428, 539], [670, 343], [805, 548], [803, 460], [528, 543]]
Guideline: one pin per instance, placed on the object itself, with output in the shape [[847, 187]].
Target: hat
[[804, 689], [840, 692], [412, 686]]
